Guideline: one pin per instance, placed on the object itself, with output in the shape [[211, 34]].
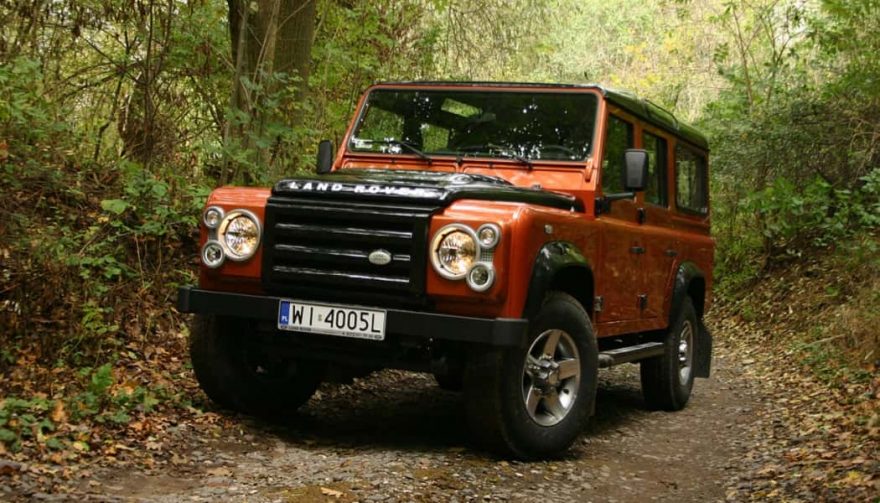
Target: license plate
[[341, 321]]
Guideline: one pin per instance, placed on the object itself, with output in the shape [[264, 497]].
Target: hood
[[417, 187]]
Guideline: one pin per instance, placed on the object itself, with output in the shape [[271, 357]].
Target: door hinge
[[643, 301], [598, 303]]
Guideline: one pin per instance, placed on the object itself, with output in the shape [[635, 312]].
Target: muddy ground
[[395, 436]]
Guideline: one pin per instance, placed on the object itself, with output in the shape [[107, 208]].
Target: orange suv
[[512, 239]]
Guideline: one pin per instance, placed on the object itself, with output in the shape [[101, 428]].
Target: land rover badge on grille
[[380, 257]]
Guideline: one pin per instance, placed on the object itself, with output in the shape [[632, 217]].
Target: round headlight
[[240, 233], [212, 217], [455, 250], [213, 254], [488, 234], [481, 276]]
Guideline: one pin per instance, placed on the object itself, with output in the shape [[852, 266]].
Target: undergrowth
[[823, 307], [93, 411]]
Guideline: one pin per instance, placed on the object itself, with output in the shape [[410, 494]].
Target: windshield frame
[[480, 157]]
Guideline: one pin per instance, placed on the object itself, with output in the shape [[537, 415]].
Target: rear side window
[[691, 181], [618, 138], [657, 160]]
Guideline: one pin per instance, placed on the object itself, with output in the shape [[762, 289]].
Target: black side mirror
[[636, 176], [325, 157]]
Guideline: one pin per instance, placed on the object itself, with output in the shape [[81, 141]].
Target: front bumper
[[428, 326]]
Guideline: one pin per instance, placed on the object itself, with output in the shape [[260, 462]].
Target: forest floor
[[747, 434], [784, 417], [397, 436]]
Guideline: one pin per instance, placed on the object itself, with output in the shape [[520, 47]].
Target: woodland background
[[117, 117]]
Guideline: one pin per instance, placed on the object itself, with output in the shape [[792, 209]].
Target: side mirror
[[325, 157], [636, 176]]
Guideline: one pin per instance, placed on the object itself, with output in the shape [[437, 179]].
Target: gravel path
[[395, 436]]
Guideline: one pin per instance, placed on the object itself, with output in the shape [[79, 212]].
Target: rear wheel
[[237, 373], [667, 380], [532, 402]]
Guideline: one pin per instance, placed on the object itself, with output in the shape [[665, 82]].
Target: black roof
[[642, 108]]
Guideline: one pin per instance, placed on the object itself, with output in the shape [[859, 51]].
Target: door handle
[[638, 250], [671, 253]]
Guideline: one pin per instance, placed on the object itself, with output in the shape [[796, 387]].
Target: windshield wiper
[[504, 151], [404, 145]]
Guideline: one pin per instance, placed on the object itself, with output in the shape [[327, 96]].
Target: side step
[[630, 354]]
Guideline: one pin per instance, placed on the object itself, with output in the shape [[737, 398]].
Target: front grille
[[320, 249]]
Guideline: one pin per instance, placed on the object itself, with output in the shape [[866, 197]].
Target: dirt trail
[[397, 437]]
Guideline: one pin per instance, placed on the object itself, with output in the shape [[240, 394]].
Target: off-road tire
[[494, 388], [662, 383], [222, 350]]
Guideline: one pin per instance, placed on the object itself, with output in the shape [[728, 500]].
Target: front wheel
[[667, 380], [236, 372], [532, 402]]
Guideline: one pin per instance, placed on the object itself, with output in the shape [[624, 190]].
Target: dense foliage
[[114, 122]]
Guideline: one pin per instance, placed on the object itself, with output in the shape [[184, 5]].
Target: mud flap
[[703, 351]]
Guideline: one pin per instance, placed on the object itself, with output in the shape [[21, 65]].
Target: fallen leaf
[[9, 467], [220, 471], [326, 491], [58, 415]]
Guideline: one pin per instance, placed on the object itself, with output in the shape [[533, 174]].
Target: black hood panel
[[417, 187]]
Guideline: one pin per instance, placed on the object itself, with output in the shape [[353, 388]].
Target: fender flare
[[685, 276], [552, 258]]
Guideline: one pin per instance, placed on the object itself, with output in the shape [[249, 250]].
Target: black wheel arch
[[559, 266], [690, 281]]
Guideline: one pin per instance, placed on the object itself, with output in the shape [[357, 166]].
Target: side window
[[657, 156], [691, 180], [618, 138]]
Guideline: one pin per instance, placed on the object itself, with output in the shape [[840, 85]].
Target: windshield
[[515, 125]]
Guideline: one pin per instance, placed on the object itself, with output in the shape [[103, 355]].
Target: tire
[[667, 380], [237, 374], [515, 405]]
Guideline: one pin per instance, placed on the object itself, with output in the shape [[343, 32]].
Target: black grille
[[320, 249]]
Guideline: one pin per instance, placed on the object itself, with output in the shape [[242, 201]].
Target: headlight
[[481, 276], [488, 235], [213, 255], [212, 217], [240, 234], [454, 250]]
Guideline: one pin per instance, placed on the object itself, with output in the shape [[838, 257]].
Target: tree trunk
[[267, 37]]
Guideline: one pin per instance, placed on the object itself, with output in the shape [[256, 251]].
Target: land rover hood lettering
[[419, 187], [358, 188]]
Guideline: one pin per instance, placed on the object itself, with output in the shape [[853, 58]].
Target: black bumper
[[428, 326]]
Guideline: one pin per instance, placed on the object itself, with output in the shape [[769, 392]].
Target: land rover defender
[[512, 239]]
